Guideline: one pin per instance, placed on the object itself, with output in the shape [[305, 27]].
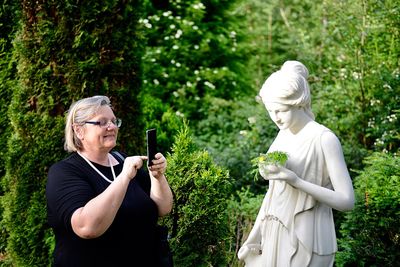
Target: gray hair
[[79, 112], [289, 86]]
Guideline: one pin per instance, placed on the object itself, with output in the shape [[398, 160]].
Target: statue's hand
[[273, 172]]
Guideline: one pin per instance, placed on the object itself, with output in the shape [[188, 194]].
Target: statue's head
[[288, 86]]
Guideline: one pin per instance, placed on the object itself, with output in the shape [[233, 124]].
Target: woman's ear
[[78, 129]]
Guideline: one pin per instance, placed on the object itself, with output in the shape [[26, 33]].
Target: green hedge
[[9, 12], [371, 232], [202, 194]]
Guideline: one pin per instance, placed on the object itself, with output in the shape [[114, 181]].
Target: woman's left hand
[[159, 166], [273, 172]]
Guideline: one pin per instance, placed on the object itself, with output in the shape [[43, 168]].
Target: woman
[[295, 225], [103, 207]]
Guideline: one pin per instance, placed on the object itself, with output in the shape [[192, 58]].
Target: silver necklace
[[99, 172]]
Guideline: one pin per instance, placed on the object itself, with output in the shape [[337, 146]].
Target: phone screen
[[151, 136]]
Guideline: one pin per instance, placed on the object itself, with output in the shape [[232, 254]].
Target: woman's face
[[100, 138], [284, 116]]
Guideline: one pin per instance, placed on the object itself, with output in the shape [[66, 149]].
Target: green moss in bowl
[[277, 158]]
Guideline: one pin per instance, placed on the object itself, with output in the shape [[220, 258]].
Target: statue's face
[[284, 116]]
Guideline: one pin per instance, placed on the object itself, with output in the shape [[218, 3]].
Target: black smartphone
[[151, 136]]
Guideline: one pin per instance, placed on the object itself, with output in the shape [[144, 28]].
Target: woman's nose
[[274, 116]]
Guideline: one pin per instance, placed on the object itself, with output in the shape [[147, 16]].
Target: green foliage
[[357, 85], [234, 132], [272, 158], [371, 232], [191, 57], [202, 193], [9, 12]]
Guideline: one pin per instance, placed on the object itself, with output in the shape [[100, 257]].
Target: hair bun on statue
[[295, 66]]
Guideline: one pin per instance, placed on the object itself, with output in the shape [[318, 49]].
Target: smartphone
[[151, 136]]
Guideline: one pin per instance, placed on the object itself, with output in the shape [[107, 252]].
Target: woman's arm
[[97, 215], [160, 191], [342, 195]]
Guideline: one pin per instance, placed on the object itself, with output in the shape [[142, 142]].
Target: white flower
[[175, 47], [199, 6], [179, 114], [252, 120], [195, 27], [172, 26], [156, 82], [387, 86], [243, 132], [207, 83], [356, 75], [178, 34], [196, 47]]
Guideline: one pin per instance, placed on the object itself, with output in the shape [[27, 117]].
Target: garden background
[[192, 69]]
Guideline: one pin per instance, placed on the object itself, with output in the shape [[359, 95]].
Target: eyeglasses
[[106, 123]]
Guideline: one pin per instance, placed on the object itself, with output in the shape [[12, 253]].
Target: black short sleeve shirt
[[129, 241]]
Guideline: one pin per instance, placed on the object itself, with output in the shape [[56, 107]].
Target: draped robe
[[291, 226]]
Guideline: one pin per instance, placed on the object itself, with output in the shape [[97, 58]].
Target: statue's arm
[[342, 196], [338, 172]]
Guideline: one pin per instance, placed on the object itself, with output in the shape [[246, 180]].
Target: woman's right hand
[[131, 165]]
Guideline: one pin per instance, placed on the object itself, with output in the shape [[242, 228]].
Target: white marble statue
[[294, 227]]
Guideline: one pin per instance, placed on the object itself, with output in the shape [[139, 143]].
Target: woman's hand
[[131, 165], [157, 170], [273, 172]]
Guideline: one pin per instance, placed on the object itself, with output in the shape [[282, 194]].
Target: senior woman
[[294, 227], [103, 207]]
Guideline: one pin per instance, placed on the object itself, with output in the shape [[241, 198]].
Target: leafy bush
[[9, 12], [371, 232], [191, 57], [234, 132], [202, 193]]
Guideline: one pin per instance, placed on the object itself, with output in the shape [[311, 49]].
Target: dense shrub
[[9, 14], [234, 132], [191, 57], [371, 232], [202, 192]]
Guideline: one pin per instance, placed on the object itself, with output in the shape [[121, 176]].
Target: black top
[[129, 241]]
